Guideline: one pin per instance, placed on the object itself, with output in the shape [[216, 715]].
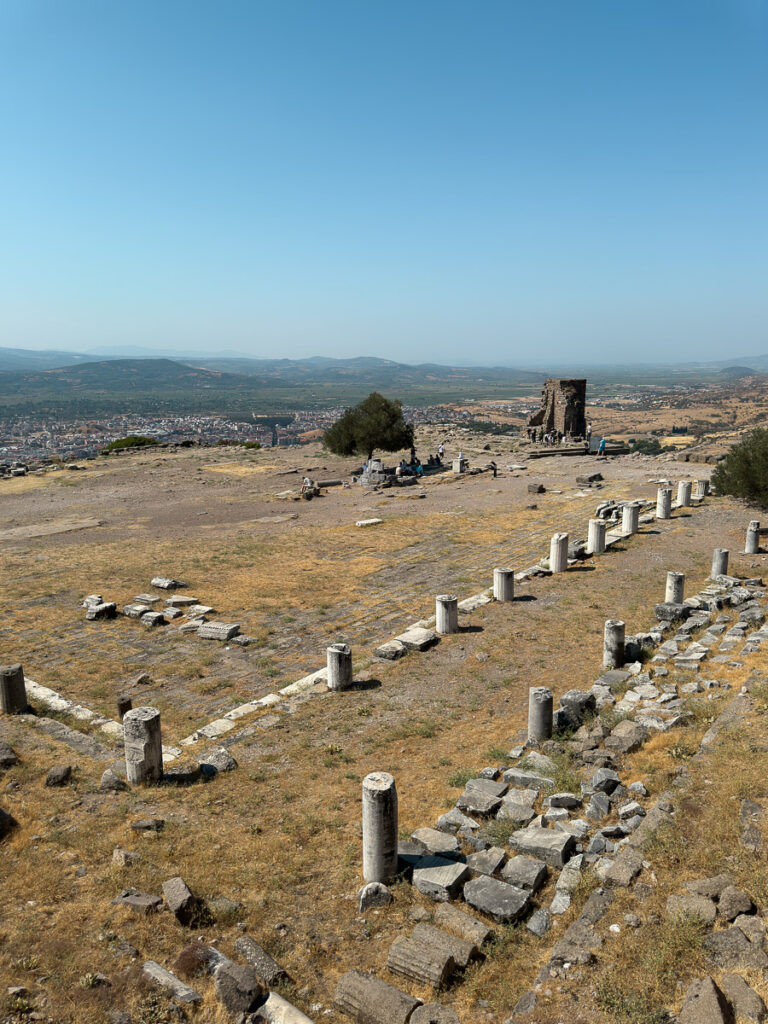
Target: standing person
[[494, 467], [441, 451], [589, 433], [601, 447]]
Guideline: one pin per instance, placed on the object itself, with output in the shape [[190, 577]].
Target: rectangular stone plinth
[[554, 848], [218, 630], [417, 639], [438, 878]]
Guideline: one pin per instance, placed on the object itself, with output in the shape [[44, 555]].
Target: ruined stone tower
[[562, 407]]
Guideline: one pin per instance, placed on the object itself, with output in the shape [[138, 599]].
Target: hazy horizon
[[502, 184]]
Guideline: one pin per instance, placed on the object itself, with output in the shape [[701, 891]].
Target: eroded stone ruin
[[562, 407]]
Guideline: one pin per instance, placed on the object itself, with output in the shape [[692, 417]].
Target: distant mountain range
[[71, 384]]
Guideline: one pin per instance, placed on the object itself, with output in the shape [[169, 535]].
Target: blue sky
[[492, 182]]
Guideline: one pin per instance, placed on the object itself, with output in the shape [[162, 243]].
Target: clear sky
[[510, 182]]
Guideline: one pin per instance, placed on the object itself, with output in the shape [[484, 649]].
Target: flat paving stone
[[551, 846]]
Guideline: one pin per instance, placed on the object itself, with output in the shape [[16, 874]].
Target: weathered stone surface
[[434, 1013], [575, 706], [527, 780], [237, 986], [692, 905], [391, 650], [124, 858], [605, 780], [751, 816], [276, 1010], [268, 970], [460, 949], [141, 902], [106, 610], [476, 802], [214, 761], [545, 844], [152, 619], [753, 927], [135, 611], [166, 583], [374, 894], [746, 1003], [499, 900], [8, 757], [182, 904], [148, 825], [512, 811], [433, 841], [712, 887], [439, 878], [417, 638], [162, 978], [454, 820], [59, 775], [218, 630], [487, 786], [486, 862], [539, 922], [627, 737], [731, 949], [733, 902], [624, 869], [465, 925], [183, 774], [670, 612], [568, 800], [525, 872], [705, 1004], [423, 964], [369, 1000]]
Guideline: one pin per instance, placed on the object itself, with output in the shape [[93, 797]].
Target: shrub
[[744, 471], [132, 441]]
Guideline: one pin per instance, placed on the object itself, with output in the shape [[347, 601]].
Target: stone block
[[237, 987], [218, 630], [152, 619], [162, 978], [527, 780], [465, 925], [369, 1000], [691, 905], [486, 862], [374, 894], [442, 844], [417, 638], [141, 902], [461, 950], [746, 1003], [439, 878], [525, 872], [182, 904], [454, 820], [391, 650], [704, 1003], [268, 970], [476, 802], [488, 786], [553, 847], [166, 583], [499, 900]]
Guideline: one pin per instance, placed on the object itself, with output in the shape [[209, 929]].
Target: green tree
[[374, 423], [744, 471]]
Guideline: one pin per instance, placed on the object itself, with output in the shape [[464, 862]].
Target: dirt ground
[[281, 835]]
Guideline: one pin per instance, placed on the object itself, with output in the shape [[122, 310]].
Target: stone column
[[596, 537], [664, 503], [753, 538], [630, 518], [143, 745], [684, 493], [379, 827], [13, 690], [613, 643], [675, 587], [504, 584], [447, 613], [339, 666], [540, 701], [558, 553], [700, 488], [124, 705], [720, 562]]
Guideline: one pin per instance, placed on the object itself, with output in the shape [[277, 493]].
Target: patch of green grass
[[497, 754], [461, 777], [499, 831]]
